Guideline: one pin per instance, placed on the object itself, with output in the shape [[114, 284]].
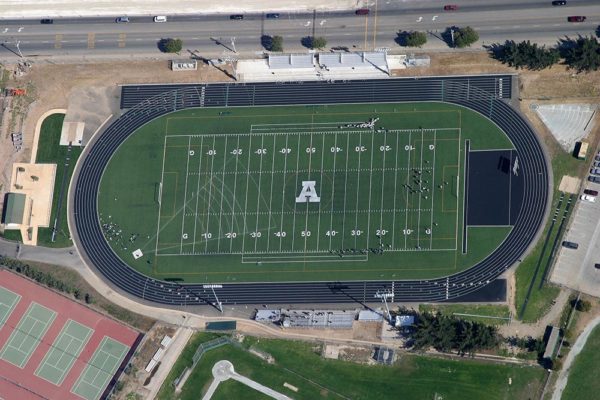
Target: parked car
[[559, 3], [597, 266], [591, 192], [450, 7], [570, 245], [236, 16], [273, 16], [160, 18], [362, 11], [46, 21], [576, 18], [122, 20], [595, 171], [593, 178], [588, 198]]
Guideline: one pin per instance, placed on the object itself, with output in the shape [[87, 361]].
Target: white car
[[595, 171], [160, 18], [587, 197]]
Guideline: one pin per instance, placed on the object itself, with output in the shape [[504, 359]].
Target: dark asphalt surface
[[485, 94]]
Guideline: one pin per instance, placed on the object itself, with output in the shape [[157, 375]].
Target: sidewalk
[[16, 9]]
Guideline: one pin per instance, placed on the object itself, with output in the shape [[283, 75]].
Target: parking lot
[[575, 267]]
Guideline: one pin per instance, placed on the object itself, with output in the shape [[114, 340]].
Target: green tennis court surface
[[8, 302], [104, 363], [64, 351], [26, 337]]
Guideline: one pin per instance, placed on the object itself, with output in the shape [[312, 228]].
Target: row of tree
[[271, 43], [44, 278], [446, 333], [582, 54]]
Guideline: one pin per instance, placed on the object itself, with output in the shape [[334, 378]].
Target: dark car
[[236, 16], [273, 16], [597, 266], [576, 18], [362, 11], [570, 245], [595, 179], [591, 192], [559, 3], [47, 21], [450, 7]]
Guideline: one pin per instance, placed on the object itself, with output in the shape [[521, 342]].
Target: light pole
[[233, 44]]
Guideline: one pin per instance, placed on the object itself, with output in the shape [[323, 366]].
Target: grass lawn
[[209, 192], [13, 235], [582, 382], [541, 298], [479, 310], [50, 152], [300, 364]]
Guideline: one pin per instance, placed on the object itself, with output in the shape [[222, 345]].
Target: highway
[[495, 21]]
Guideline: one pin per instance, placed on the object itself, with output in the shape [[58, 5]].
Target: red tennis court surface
[[54, 348]]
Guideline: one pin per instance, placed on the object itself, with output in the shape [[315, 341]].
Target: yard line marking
[[357, 189], [407, 190], [382, 184], [197, 193], [162, 177], [432, 189], [295, 188], [283, 193], [258, 195], [234, 189], [345, 189], [333, 189], [185, 195], [210, 186], [320, 191], [222, 193], [246, 202], [370, 185], [395, 194], [420, 194], [271, 192], [307, 203]]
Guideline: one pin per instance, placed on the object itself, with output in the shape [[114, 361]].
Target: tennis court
[[100, 369], [55, 348], [64, 351], [8, 301], [25, 339]]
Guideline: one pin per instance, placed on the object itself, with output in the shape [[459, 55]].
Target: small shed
[[404, 321], [369, 316], [14, 209]]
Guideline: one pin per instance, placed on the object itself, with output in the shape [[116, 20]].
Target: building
[[14, 210]]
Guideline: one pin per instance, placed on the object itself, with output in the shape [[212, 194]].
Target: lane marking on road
[[58, 41], [122, 37]]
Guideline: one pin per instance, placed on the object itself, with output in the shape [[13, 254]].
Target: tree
[[464, 37], [416, 39], [527, 55], [584, 54], [583, 306], [34, 178], [277, 43], [318, 42], [171, 45]]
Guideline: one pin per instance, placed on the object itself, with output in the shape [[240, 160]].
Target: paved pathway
[[223, 370], [561, 382]]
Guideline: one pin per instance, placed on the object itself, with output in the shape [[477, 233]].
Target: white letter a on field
[[308, 193]]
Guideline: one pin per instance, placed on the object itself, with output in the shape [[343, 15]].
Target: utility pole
[[452, 35], [17, 43], [233, 44]]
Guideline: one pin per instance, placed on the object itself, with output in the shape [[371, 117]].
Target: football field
[[315, 192], [297, 193]]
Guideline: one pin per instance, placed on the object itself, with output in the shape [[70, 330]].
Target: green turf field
[[301, 365], [297, 193], [581, 383]]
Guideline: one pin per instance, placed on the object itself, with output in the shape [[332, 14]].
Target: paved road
[[495, 21]]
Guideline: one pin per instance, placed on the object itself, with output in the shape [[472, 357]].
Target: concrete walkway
[[16, 9], [561, 381], [223, 370]]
